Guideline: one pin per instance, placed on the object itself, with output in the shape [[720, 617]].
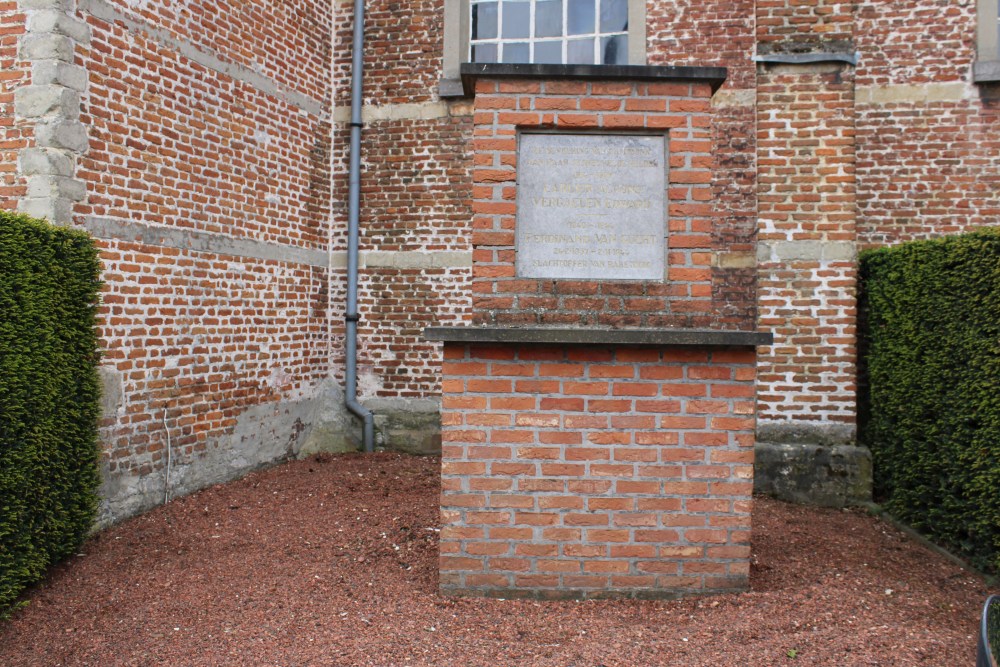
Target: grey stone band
[[198, 241], [220, 244]]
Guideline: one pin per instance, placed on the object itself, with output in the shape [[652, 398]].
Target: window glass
[[484, 53], [614, 50], [484, 20], [580, 52], [614, 15], [580, 17], [548, 18], [548, 52], [549, 31], [516, 19]]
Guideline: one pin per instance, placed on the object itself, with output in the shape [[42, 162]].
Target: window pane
[[580, 52], [484, 53], [614, 15], [548, 52], [515, 52], [516, 19], [580, 16], [549, 31], [548, 18], [484, 20], [614, 50]]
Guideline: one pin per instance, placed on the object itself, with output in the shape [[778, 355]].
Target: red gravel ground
[[332, 561]]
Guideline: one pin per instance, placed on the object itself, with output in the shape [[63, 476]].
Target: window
[[571, 32], [987, 67]]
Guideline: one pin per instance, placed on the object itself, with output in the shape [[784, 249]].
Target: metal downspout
[[353, 215]]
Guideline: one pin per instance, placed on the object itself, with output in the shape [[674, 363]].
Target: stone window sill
[[986, 71], [595, 336], [465, 87]]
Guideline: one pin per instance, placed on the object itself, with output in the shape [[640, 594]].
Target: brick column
[[598, 431], [806, 251], [596, 471]]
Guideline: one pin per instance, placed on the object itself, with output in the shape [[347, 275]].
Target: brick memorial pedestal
[[598, 411]]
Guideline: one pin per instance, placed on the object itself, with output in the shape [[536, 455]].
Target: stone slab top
[[470, 72], [597, 336]]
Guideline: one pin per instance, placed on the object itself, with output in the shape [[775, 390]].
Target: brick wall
[[806, 177], [693, 294], [208, 187], [415, 221], [207, 173], [928, 139], [804, 26], [585, 471], [14, 136], [689, 32], [899, 148], [415, 214]]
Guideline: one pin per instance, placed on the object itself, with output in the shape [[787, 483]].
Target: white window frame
[[596, 35], [987, 66], [456, 39]]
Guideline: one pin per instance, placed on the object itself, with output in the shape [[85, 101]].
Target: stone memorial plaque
[[591, 206]]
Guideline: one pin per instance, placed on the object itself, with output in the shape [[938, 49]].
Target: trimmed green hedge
[[931, 399], [49, 398]]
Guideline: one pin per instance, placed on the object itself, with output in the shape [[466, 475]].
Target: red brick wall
[[692, 296], [929, 162], [287, 42], [15, 74], [415, 201], [799, 26], [901, 147], [232, 146], [914, 41], [417, 179], [689, 32], [807, 295], [403, 54], [177, 144], [595, 470]]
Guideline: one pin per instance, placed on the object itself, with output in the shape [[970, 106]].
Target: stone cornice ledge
[[715, 76], [557, 336], [807, 58]]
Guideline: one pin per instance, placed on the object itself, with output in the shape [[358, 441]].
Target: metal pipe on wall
[[353, 226]]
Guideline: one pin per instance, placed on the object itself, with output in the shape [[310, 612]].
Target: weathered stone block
[[410, 431], [68, 134], [829, 475], [56, 21], [56, 211], [45, 161], [47, 46], [56, 186], [112, 393], [55, 72], [44, 101]]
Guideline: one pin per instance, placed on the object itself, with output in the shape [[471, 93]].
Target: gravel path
[[333, 561]]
